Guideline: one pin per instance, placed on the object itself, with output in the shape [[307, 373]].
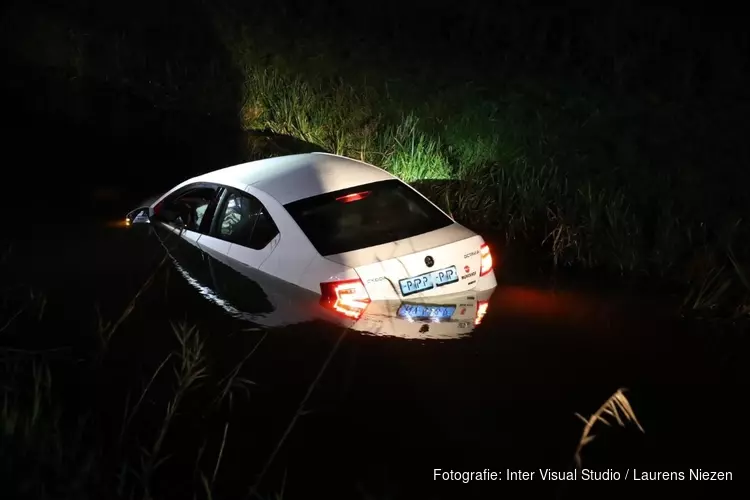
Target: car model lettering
[[473, 273], [475, 252]]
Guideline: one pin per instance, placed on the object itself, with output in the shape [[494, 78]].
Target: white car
[[347, 231]]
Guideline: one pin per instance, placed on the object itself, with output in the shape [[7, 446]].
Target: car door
[[235, 220], [190, 205], [242, 230], [195, 205]]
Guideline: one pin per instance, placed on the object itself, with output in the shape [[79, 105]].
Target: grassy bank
[[620, 160], [585, 180]]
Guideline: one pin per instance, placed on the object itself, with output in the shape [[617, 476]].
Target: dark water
[[387, 411], [392, 410]]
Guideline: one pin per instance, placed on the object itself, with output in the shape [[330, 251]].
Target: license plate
[[422, 311], [428, 281]]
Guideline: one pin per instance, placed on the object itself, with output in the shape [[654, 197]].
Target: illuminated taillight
[[347, 297], [482, 306], [353, 197], [486, 265]]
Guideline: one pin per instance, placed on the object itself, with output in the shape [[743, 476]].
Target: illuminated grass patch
[[558, 168]]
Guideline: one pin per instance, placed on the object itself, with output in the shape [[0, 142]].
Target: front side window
[[243, 220], [189, 207]]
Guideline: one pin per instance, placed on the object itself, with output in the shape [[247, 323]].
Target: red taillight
[[486, 265], [482, 306], [347, 297], [353, 197]]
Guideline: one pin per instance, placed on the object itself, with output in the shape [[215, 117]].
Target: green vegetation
[[602, 160], [564, 170]]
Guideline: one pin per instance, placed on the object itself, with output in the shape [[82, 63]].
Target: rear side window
[[243, 219], [365, 216]]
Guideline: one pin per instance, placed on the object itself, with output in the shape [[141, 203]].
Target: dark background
[[152, 86], [108, 103]]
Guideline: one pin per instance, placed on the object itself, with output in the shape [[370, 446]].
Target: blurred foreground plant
[[616, 409]]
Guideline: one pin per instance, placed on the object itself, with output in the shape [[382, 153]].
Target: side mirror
[[138, 216]]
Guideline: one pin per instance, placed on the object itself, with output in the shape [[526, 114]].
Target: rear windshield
[[365, 216]]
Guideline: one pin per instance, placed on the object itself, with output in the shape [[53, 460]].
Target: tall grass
[[596, 175], [550, 166], [341, 119], [301, 410], [43, 452], [54, 437], [189, 373], [616, 409], [55, 427]]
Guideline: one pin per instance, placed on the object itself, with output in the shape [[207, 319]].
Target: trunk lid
[[452, 251]]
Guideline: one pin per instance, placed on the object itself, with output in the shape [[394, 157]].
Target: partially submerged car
[[257, 298], [346, 231]]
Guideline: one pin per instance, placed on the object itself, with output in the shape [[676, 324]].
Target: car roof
[[294, 177]]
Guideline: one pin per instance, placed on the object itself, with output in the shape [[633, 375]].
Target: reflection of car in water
[[449, 317], [347, 232]]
